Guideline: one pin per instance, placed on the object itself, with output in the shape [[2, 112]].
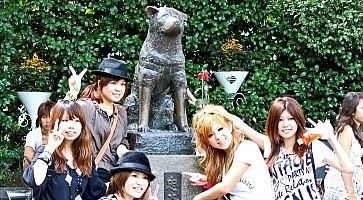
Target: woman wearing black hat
[[99, 101], [131, 178]]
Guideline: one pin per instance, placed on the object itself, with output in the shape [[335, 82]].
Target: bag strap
[[108, 140], [312, 161], [318, 185]]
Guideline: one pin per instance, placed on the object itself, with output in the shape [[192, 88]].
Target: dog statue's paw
[[171, 127], [143, 128], [186, 129]]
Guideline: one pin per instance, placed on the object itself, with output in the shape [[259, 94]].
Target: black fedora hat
[[113, 67], [134, 161]]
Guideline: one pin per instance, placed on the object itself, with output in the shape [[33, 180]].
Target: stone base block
[[162, 142], [172, 184]]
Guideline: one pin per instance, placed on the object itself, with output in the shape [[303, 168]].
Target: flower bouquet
[[34, 75]]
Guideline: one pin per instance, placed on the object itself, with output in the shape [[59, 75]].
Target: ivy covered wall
[[309, 49]]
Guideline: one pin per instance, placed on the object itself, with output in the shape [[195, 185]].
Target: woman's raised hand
[[55, 138], [152, 195], [238, 123], [197, 179], [75, 81], [325, 129]]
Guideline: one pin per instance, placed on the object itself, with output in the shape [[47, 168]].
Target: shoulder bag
[[108, 140]]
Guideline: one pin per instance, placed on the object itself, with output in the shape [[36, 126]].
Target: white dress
[[255, 184], [334, 185]]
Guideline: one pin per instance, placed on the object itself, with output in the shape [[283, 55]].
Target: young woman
[[99, 101], [230, 163], [349, 131], [63, 169], [38, 136], [291, 164], [131, 178]]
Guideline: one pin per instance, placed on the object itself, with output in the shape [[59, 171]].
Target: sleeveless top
[[293, 177], [334, 185]]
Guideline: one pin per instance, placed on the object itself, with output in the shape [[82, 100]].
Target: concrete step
[[172, 184]]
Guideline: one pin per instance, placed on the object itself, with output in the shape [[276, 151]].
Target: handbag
[[108, 140]]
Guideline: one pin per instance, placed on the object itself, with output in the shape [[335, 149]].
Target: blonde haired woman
[[230, 163]]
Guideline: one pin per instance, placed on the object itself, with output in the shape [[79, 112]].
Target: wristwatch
[[45, 157]]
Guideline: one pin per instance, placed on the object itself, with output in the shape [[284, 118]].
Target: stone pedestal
[[162, 142], [170, 154], [167, 168]]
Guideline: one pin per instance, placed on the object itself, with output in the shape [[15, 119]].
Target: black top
[[64, 186]]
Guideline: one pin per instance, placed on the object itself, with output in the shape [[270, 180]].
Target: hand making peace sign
[[152, 195], [74, 82], [56, 136], [325, 129]]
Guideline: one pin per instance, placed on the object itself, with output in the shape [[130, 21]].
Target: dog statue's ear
[[185, 17], [151, 10], [182, 15]]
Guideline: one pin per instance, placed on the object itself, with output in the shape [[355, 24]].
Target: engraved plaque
[[172, 186]]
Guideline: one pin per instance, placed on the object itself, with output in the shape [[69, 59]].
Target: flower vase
[[32, 101], [231, 80]]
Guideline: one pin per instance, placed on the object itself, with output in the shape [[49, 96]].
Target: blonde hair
[[215, 160]]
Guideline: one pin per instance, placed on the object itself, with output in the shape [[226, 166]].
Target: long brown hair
[[215, 160], [278, 106], [82, 151], [117, 184], [349, 106], [93, 91]]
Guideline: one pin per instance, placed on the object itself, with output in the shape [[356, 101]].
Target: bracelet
[[45, 158], [48, 152], [351, 194], [207, 186], [70, 96]]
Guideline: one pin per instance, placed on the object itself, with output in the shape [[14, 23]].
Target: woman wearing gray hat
[[131, 178], [99, 102]]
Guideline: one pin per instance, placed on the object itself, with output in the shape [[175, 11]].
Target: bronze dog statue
[[161, 69]]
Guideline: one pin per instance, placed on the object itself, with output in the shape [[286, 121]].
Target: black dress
[[66, 185]]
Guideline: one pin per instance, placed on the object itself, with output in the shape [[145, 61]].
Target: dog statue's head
[[168, 21]]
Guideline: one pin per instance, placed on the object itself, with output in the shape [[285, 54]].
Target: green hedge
[[309, 49]]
